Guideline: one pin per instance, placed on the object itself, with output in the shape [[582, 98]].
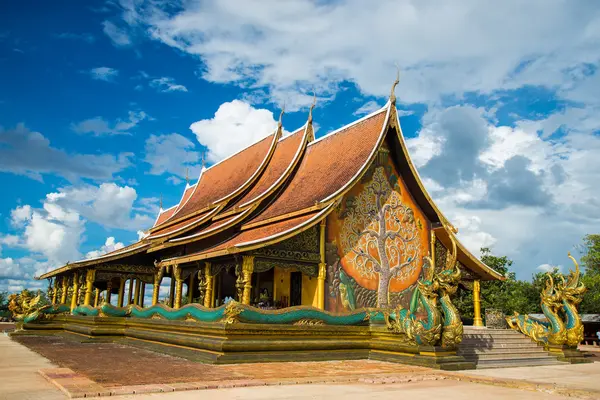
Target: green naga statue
[[443, 325], [559, 301]]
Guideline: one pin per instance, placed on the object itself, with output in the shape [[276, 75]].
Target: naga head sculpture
[[573, 289]]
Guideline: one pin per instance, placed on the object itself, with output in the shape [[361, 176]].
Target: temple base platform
[[223, 343], [568, 354]]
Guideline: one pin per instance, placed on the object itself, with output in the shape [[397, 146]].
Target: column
[[130, 292], [75, 291], [136, 298], [121, 298], [65, 289], [247, 269], [178, 286], [55, 292], [142, 294], [108, 291], [322, 269], [208, 296], [97, 298], [89, 286], [477, 321], [191, 288], [158, 275]]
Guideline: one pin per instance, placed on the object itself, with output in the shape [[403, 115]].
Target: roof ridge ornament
[[393, 91], [187, 176], [312, 106], [160, 204]]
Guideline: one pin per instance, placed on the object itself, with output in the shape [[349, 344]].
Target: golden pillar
[[477, 321], [130, 292], [108, 291], [208, 296], [65, 289], [55, 292], [178, 286], [158, 276], [322, 268], [97, 297], [247, 269], [191, 288], [75, 291], [121, 298], [136, 298], [90, 276]]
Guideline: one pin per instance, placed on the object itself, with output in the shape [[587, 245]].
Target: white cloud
[[104, 74], [20, 215], [367, 108], [109, 205], [109, 246], [535, 213], [548, 268], [118, 36], [29, 153], [236, 125], [441, 48], [99, 126], [172, 154], [166, 84]]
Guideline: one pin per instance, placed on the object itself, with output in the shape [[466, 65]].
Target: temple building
[[340, 223]]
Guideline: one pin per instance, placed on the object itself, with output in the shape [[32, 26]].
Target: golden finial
[[160, 202], [187, 176], [203, 160], [280, 123], [393, 91], [314, 103]]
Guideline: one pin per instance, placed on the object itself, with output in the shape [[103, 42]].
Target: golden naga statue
[[559, 303], [25, 305]]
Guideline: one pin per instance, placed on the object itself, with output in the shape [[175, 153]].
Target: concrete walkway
[[19, 378], [573, 376], [447, 390]]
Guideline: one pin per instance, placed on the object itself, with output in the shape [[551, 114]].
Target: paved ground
[[447, 390], [576, 376], [111, 365], [19, 378]]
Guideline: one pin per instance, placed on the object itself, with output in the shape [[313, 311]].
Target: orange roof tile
[[328, 165], [181, 225], [164, 215], [250, 235], [227, 176], [285, 152]]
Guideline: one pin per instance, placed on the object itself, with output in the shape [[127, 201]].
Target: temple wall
[[309, 291], [281, 283], [377, 216]]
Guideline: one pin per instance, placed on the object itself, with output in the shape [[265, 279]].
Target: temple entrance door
[[296, 288]]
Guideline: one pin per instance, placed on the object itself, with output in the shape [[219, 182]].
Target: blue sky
[[104, 105]]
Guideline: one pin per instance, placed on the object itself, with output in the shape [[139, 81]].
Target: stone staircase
[[502, 348]]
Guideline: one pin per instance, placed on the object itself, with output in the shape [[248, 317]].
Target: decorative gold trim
[[166, 236], [284, 216]]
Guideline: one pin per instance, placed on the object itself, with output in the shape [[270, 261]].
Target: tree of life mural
[[380, 235]]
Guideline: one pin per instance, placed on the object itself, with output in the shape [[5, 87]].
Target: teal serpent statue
[[559, 303], [419, 331]]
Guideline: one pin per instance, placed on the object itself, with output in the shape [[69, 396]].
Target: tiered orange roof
[[277, 187]]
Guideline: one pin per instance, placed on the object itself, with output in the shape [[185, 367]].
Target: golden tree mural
[[379, 235]]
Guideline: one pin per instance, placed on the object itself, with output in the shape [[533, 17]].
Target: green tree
[[591, 252]]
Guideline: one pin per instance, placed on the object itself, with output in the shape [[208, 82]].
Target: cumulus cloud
[[29, 153], [109, 246], [104, 74], [99, 126], [236, 125], [502, 188], [172, 154], [109, 205], [367, 108], [166, 84], [445, 48]]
